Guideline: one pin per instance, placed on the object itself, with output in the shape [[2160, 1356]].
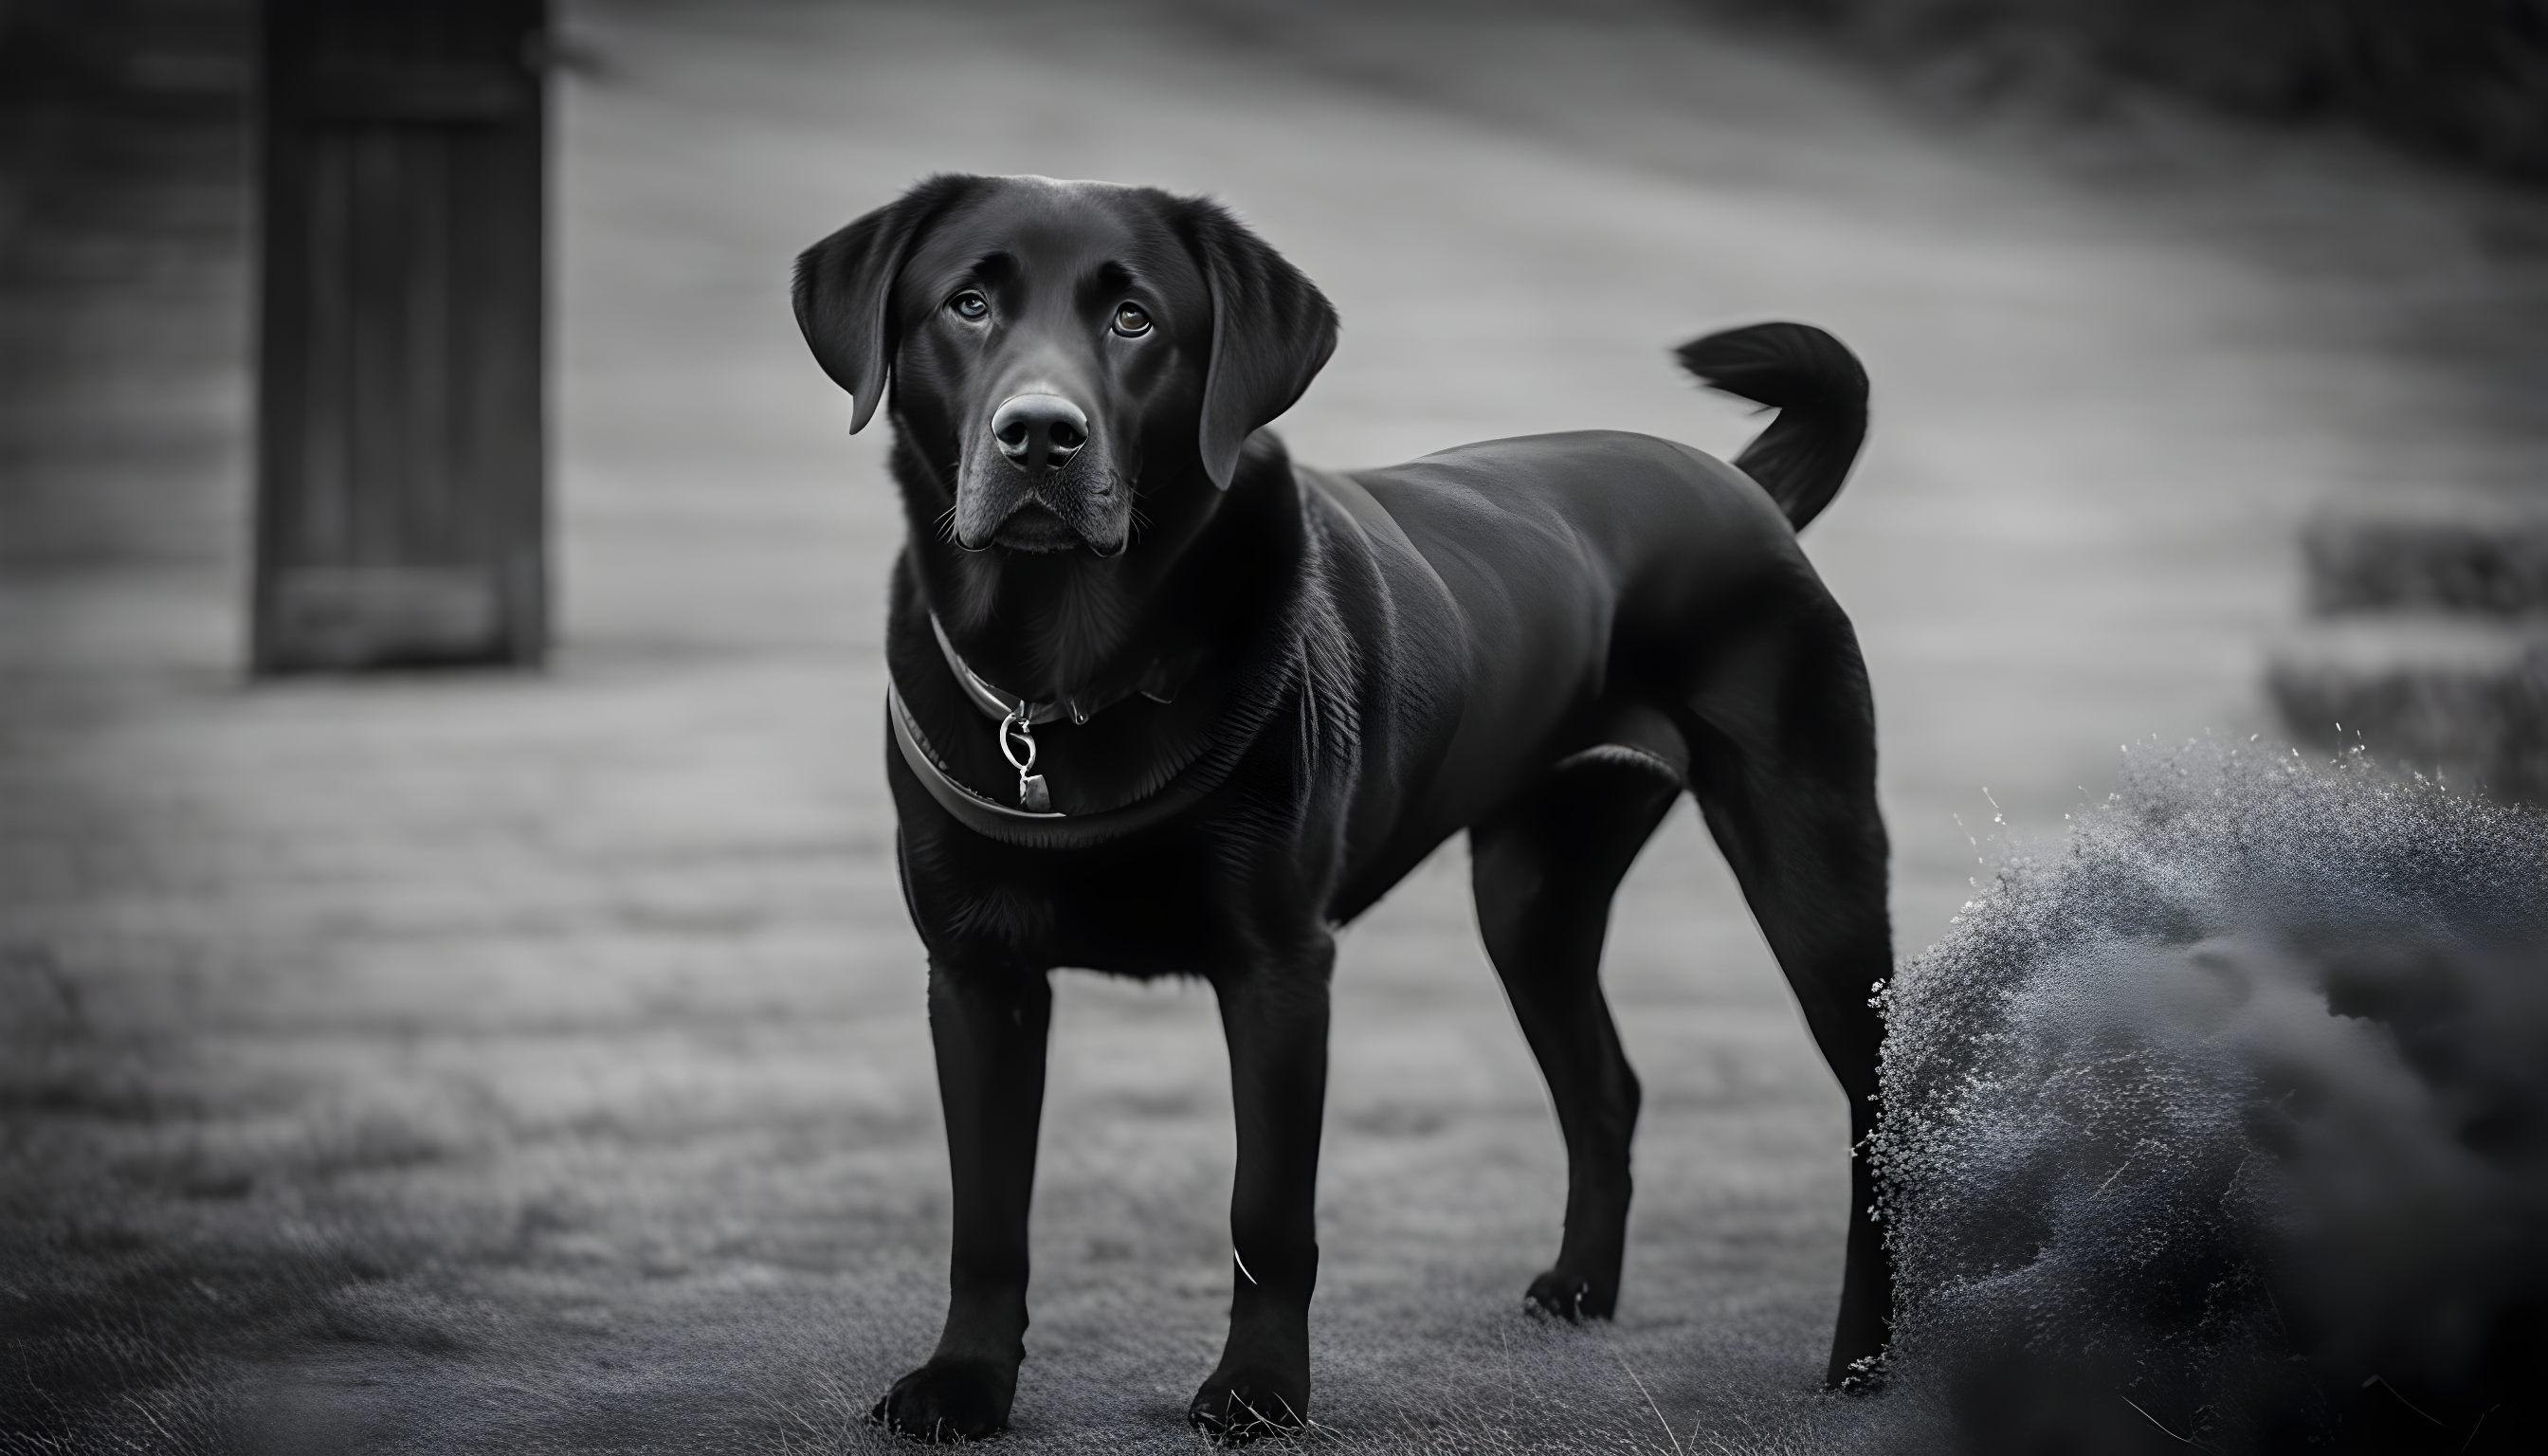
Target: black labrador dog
[[1166, 703]]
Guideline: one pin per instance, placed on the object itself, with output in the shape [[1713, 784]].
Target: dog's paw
[[949, 1400], [1568, 1297], [1238, 1406]]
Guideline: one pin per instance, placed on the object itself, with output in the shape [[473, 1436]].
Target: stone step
[[2488, 566], [2461, 695]]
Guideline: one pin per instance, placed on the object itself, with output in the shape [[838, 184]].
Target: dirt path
[[480, 1063]]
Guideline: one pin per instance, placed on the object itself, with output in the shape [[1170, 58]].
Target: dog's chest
[[1181, 901]]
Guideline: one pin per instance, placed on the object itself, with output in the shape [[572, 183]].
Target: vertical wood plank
[[402, 516], [326, 422], [374, 280]]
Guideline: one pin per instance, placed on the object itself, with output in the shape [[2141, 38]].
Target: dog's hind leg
[[990, 1027], [1781, 732], [1544, 868]]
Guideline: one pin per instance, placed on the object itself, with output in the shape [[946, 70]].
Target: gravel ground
[[487, 1062]]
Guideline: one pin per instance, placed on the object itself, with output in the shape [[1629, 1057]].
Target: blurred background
[[454, 986]]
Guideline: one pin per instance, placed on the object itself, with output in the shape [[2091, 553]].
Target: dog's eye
[[1130, 322], [969, 305]]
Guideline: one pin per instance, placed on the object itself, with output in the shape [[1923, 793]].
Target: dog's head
[[1047, 343]]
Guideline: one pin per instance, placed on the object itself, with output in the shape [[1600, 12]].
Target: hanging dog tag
[[1018, 746]]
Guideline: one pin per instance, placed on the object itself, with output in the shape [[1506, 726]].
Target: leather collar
[[1040, 826], [1032, 829], [1159, 684], [1026, 827]]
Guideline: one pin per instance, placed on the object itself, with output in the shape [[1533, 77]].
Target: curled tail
[[1818, 389]]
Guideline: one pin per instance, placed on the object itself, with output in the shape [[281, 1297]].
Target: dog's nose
[[1036, 430]]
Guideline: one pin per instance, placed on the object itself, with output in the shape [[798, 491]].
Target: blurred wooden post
[[401, 512]]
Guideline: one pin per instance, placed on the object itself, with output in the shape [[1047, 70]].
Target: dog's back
[[1594, 570]]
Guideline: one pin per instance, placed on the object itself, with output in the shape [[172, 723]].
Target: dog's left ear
[[843, 289], [1271, 332]]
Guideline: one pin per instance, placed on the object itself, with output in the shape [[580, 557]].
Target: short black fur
[[1268, 692]]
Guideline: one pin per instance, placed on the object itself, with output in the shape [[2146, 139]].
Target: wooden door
[[400, 513]]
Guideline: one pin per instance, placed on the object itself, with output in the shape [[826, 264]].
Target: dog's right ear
[[843, 289]]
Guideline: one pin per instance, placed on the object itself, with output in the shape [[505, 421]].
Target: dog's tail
[[1818, 389]]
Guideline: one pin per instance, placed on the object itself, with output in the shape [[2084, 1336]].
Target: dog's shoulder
[[1384, 646]]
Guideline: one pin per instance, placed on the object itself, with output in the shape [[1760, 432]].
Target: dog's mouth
[[1034, 528], [1083, 505], [1053, 507]]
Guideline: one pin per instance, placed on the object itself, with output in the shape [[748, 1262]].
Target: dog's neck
[[1059, 626]]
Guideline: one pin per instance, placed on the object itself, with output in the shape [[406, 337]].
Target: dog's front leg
[[1275, 1017], [991, 1028]]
